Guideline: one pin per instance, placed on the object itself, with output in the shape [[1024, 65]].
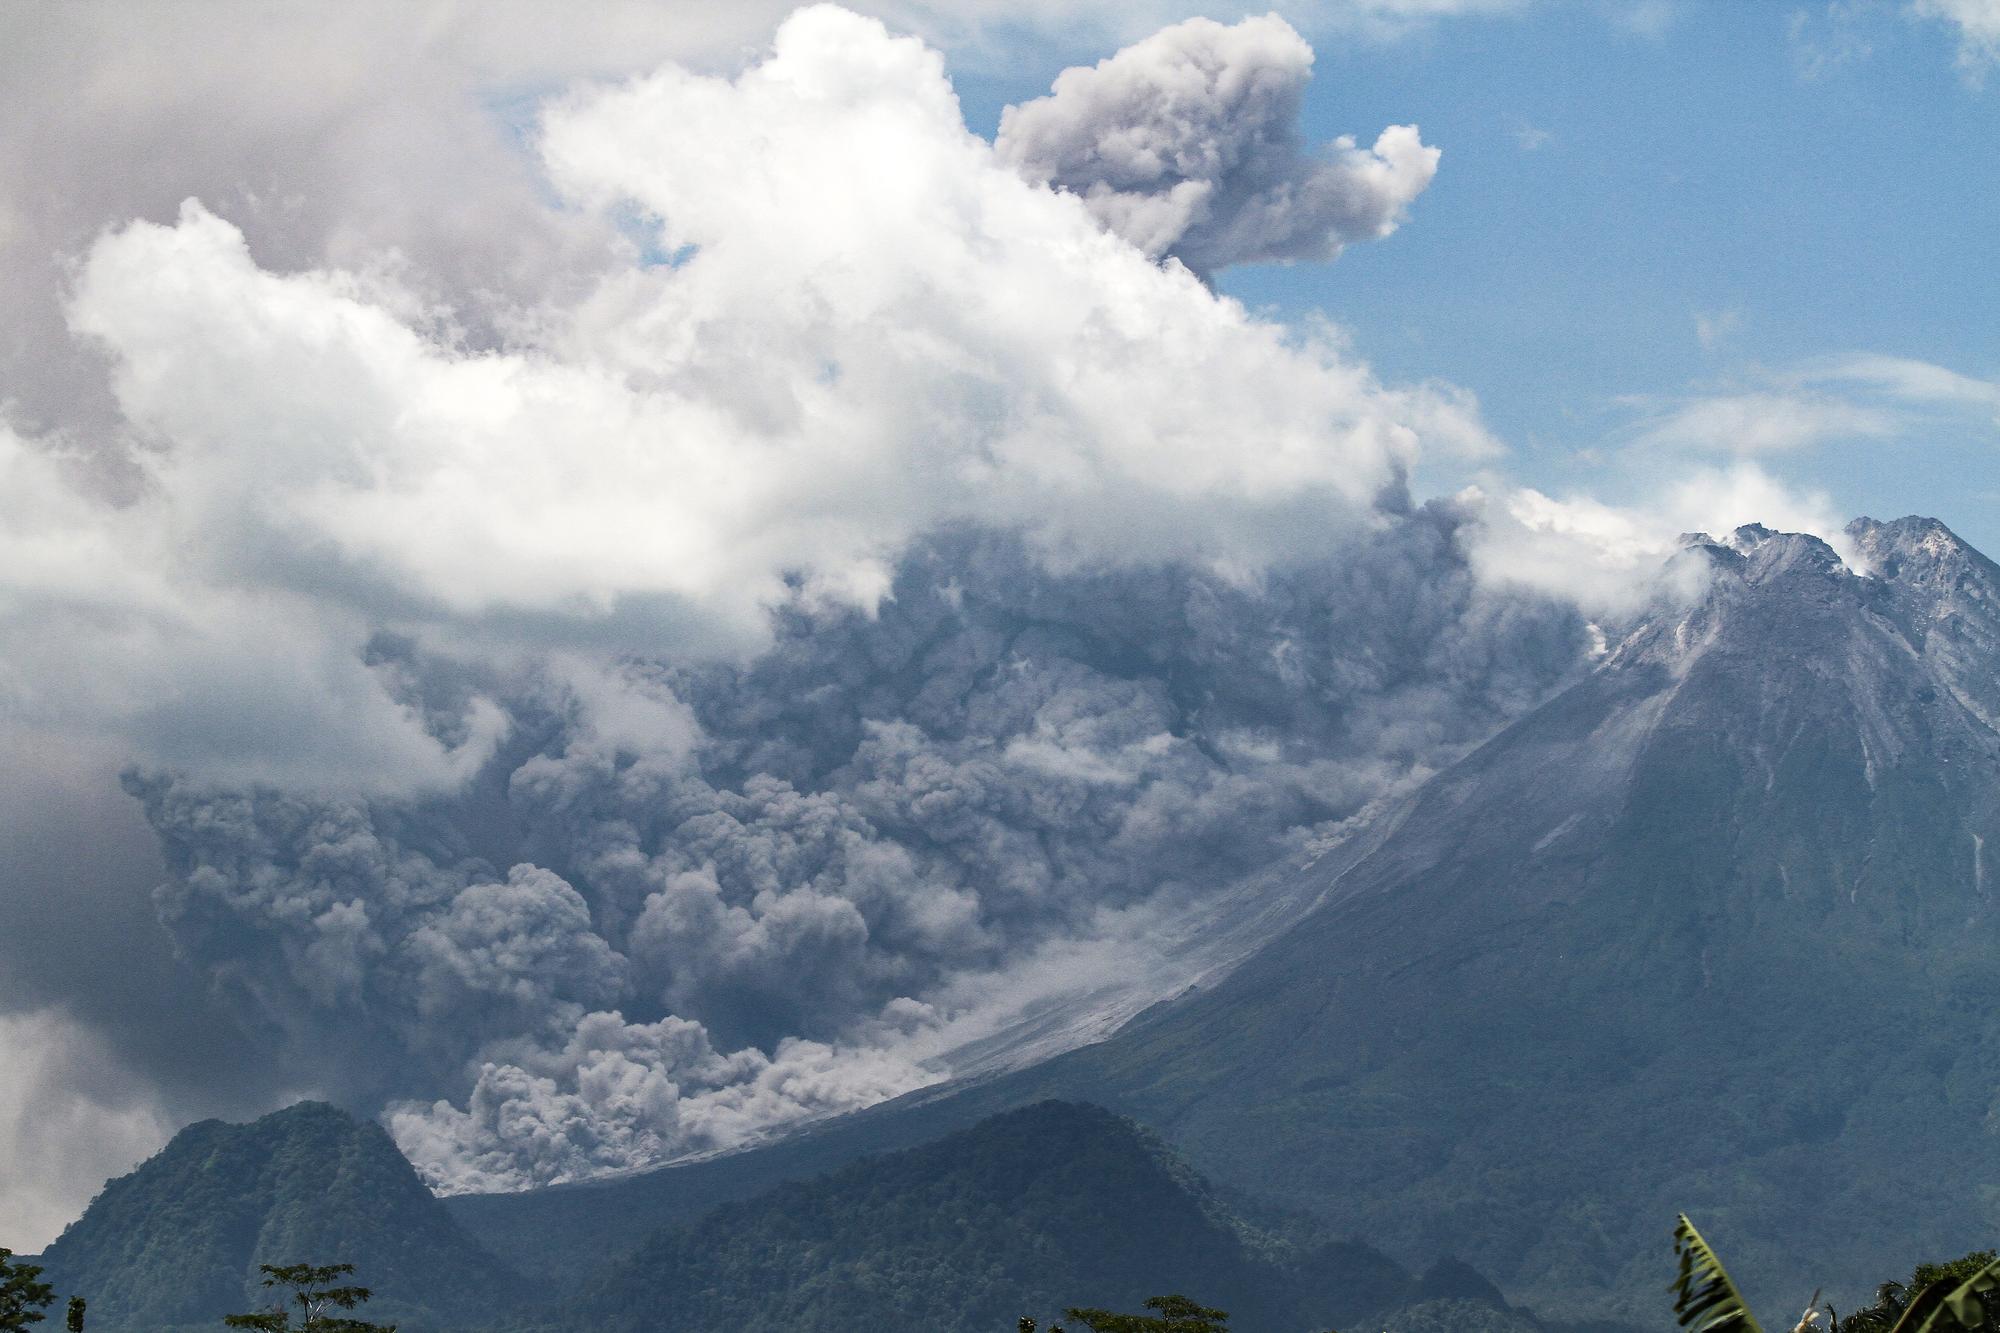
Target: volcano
[[1712, 930]]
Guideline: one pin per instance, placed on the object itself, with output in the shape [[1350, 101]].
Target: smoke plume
[[689, 903], [1188, 144]]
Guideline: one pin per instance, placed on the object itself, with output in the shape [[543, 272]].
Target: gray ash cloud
[[760, 901], [1188, 144]]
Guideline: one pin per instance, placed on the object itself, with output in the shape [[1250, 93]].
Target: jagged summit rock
[[1947, 602]]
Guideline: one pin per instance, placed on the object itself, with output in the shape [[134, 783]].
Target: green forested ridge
[[1038, 1209], [1037, 1212], [1030, 1212], [177, 1243]]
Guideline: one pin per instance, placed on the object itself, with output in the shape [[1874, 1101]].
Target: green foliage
[[73, 1320], [1959, 1297], [22, 1295], [313, 1289], [1895, 1299], [1705, 1298], [1171, 1314], [1964, 1293]]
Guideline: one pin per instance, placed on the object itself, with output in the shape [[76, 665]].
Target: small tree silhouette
[[73, 1321], [312, 1289], [1171, 1314], [22, 1297]]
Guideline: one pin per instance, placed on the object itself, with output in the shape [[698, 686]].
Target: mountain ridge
[[1032, 1210], [1026, 1212]]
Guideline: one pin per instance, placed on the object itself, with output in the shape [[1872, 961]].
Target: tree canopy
[[1171, 1314], [313, 1289], [23, 1297]]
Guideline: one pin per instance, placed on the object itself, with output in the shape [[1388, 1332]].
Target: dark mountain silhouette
[[176, 1243], [1028, 1212]]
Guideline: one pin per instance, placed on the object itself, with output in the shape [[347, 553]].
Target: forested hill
[[1053, 1205], [176, 1243], [1028, 1212]]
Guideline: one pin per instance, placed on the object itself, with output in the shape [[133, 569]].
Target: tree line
[[321, 1295], [1962, 1296]]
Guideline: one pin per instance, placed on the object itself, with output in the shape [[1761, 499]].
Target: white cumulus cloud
[[870, 327], [1608, 558], [369, 420]]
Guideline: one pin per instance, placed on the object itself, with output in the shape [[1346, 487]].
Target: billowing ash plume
[[374, 476], [693, 903], [1188, 144], [399, 610]]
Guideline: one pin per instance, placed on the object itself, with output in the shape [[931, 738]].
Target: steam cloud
[[1187, 143]]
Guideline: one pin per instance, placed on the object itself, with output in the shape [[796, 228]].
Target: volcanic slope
[[1711, 931]]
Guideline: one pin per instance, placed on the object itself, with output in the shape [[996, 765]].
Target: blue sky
[[1642, 205]]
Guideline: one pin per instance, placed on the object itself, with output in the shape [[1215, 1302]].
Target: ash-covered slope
[[176, 1243], [1713, 930]]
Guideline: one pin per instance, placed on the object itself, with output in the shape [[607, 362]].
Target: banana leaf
[[1706, 1301]]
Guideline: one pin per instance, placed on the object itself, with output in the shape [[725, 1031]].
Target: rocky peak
[[1926, 560], [1945, 597], [1754, 553], [1910, 539], [1768, 555], [1751, 589]]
